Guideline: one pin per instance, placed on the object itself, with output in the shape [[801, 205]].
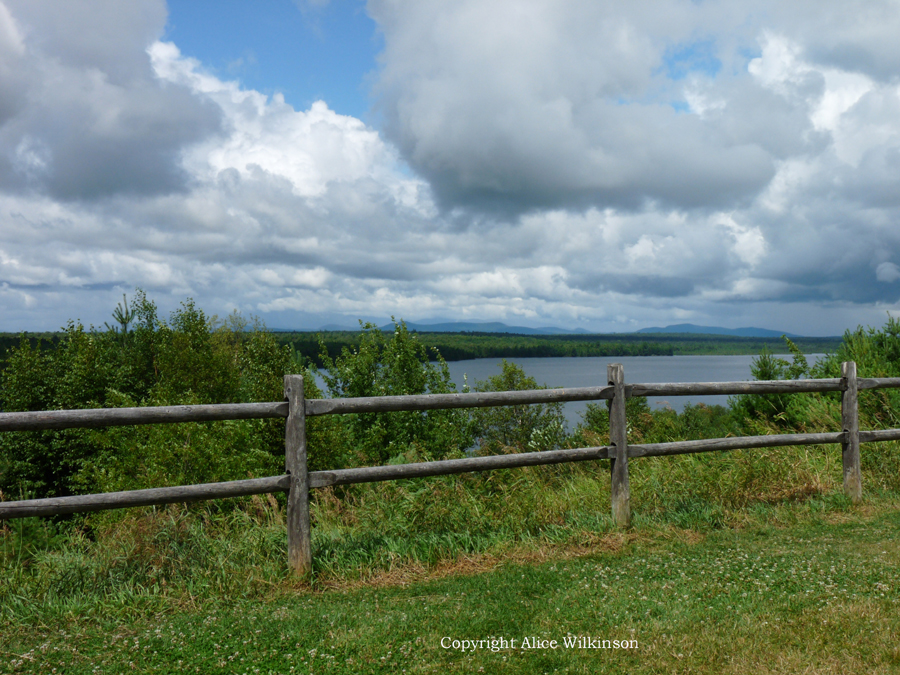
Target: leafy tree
[[123, 315], [74, 375], [27, 466], [876, 352], [394, 365], [191, 359], [775, 408], [519, 428]]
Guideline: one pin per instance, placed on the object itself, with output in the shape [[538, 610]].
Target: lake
[[590, 371]]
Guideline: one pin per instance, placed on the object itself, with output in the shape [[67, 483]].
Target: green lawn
[[808, 587]]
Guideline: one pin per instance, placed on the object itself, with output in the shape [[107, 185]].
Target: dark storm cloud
[[858, 36], [641, 284]]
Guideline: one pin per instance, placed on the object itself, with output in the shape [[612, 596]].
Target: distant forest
[[460, 346], [47, 340]]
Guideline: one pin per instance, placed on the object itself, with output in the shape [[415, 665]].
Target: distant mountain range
[[497, 327], [487, 327], [748, 331]]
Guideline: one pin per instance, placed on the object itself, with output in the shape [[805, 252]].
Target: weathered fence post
[[299, 531], [618, 436], [850, 426]]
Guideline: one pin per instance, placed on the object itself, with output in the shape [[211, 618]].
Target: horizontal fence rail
[[151, 497], [297, 482], [119, 417], [734, 443], [712, 388], [108, 417], [371, 474], [343, 406]]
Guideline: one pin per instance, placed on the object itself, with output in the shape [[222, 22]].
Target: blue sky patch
[[318, 52], [694, 57]]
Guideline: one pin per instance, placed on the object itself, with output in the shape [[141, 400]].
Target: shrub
[[382, 366], [517, 428], [191, 359], [784, 410]]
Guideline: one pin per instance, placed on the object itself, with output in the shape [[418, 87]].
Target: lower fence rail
[[55, 506], [371, 474]]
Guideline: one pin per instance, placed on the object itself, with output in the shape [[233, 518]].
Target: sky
[[583, 163]]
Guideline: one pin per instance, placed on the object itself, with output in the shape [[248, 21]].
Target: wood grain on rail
[[485, 399], [114, 417], [372, 474], [151, 497]]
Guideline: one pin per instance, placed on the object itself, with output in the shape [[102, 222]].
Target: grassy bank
[[235, 548], [808, 586], [750, 561]]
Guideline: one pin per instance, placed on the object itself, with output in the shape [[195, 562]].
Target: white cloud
[[887, 272], [779, 66], [10, 39], [572, 109], [81, 114], [749, 242], [570, 163]]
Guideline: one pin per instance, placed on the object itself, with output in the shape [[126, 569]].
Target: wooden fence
[[298, 481]]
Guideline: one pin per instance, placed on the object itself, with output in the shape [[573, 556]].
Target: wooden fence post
[[850, 426], [618, 436], [299, 531]]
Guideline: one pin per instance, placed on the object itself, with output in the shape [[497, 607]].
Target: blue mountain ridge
[[498, 327], [486, 327]]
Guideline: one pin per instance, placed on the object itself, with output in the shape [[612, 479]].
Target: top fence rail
[[108, 417]]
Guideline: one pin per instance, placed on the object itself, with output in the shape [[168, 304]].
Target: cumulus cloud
[[267, 208], [603, 164], [887, 272], [519, 106], [85, 116]]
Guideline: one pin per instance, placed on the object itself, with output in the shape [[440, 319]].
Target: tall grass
[[817, 597], [133, 560]]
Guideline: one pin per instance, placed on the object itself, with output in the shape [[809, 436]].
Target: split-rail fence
[[297, 481]]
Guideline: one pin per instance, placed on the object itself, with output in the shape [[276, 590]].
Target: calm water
[[590, 371]]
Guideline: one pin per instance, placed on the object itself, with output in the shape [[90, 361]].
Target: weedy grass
[[239, 547], [730, 557], [809, 586]]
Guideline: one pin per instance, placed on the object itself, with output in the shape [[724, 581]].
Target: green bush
[[74, 375], [191, 359], [517, 428], [877, 354], [783, 410], [399, 365]]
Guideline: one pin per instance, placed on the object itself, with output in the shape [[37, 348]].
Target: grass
[[808, 586], [749, 561]]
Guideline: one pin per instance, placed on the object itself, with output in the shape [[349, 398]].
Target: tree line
[[461, 346], [193, 358]]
